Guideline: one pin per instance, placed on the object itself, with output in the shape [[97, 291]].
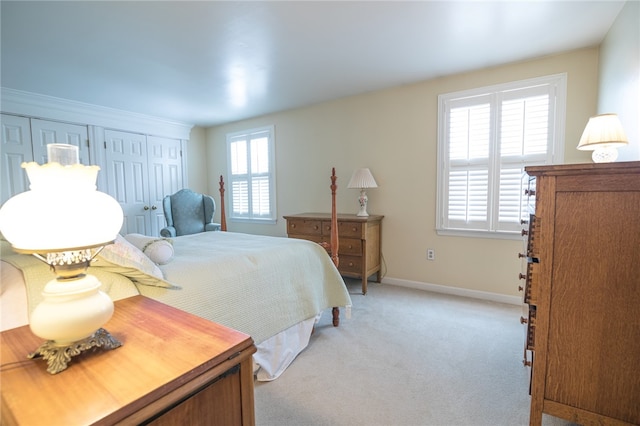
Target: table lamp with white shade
[[362, 179], [65, 222], [603, 135]]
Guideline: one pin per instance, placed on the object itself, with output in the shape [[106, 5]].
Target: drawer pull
[[315, 227], [520, 288], [523, 320], [293, 225], [522, 276], [521, 255], [524, 232], [354, 229], [350, 263], [529, 192]]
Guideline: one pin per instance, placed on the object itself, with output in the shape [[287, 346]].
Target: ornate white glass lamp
[[65, 222], [603, 135], [362, 179]]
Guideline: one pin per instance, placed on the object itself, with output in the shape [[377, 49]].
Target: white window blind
[[252, 175], [486, 137]]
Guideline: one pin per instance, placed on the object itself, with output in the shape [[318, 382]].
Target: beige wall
[[197, 170], [393, 132], [620, 77]]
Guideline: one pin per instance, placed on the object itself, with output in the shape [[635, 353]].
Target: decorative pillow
[[124, 258], [159, 250]]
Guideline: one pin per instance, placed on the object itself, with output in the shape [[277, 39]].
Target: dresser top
[[162, 348], [585, 168], [341, 217]]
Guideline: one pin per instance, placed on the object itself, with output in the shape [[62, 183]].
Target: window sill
[[255, 221], [469, 233]]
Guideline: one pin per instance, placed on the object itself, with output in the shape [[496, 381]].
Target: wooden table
[[360, 245], [172, 368]]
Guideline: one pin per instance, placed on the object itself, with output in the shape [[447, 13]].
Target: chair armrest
[[168, 232], [212, 226]]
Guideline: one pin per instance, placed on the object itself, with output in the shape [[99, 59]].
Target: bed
[[272, 288]]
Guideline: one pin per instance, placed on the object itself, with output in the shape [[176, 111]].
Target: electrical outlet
[[431, 254]]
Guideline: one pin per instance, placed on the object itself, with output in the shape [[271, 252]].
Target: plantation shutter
[[251, 174], [488, 140], [469, 145], [524, 139]]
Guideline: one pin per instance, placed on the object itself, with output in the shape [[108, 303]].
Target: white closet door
[[16, 149], [127, 179], [165, 175], [44, 132]]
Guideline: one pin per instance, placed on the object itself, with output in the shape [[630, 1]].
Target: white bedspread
[[270, 288], [256, 284]]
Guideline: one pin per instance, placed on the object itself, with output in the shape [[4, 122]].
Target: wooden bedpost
[[335, 243], [223, 217]]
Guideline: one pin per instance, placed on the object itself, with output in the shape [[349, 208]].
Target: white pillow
[[126, 259], [159, 250]]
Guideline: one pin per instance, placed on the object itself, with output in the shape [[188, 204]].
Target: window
[[486, 137], [251, 165]]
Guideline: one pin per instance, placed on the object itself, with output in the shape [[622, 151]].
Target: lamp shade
[[61, 211], [604, 129], [362, 178]]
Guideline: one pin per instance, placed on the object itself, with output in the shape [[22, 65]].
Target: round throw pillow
[[159, 250]]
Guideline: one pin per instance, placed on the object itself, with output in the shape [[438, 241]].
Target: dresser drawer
[[350, 246], [350, 264], [345, 229], [304, 227], [350, 230], [531, 328]]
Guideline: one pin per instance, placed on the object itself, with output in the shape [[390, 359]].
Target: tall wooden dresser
[[583, 292]]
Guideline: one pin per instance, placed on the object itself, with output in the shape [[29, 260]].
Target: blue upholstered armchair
[[188, 212]]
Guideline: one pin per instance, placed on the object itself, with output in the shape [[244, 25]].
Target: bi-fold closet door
[[25, 139], [137, 170], [141, 171]]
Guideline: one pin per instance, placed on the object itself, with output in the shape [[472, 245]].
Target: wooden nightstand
[[359, 249], [172, 368]]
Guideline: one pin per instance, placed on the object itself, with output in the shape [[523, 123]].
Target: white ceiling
[[211, 62]]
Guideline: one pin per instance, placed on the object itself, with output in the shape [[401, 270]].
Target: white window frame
[[494, 95], [235, 215]]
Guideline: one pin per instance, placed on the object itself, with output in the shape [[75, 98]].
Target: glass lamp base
[[58, 356], [605, 154]]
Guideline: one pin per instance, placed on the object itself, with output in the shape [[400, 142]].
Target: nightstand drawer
[[351, 264], [304, 227]]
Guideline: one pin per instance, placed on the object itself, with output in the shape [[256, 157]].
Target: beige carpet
[[406, 357]]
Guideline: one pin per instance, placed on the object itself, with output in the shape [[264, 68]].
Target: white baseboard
[[456, 291]]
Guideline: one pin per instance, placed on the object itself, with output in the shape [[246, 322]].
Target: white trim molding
[[48, 107], [455, 291]]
